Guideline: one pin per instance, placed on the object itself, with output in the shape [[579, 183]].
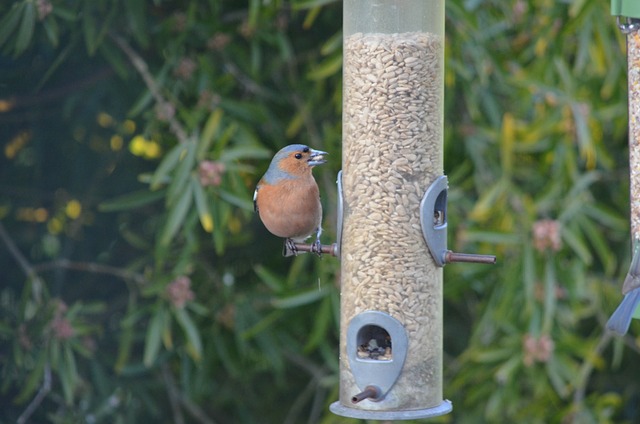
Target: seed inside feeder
[[374, 343], [392, 152]]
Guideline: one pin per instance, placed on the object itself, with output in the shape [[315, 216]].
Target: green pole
[[628, 8]]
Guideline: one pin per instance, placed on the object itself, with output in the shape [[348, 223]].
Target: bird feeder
[[392, 219], [628, 15]]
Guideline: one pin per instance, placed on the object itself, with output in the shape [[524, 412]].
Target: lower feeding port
[[376, 348], [370, 392]]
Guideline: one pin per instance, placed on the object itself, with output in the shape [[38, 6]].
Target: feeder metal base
[[413, 414]]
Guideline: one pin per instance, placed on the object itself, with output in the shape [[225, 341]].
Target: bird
[[621, 319], [287, 198]]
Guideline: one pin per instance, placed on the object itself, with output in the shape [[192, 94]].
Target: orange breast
[[290, 209]]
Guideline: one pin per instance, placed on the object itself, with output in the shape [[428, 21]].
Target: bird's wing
[[255, 198]]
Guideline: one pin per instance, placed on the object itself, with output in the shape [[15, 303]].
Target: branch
[[17, 255], [141, 66], [92, 267], [37, 400], [174, 397], [177, 398], [587, 368]]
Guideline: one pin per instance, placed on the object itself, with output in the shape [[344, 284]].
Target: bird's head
[[297, 160]]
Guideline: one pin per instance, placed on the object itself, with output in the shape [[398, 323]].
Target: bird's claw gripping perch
[[292, 248], [317, 247]]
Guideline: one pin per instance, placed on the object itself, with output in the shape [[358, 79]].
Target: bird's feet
[[290, 248], [316, 247]]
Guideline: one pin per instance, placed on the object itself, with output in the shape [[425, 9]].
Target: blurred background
[[138, 285]]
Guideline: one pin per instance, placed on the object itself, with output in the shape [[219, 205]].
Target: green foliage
[[138, 285]]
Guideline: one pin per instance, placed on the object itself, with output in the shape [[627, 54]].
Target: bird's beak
[[317, 157]]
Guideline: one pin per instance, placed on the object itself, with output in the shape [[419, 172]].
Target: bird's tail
[[621, 318]]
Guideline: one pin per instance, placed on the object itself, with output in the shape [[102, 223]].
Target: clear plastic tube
[[392, 152]]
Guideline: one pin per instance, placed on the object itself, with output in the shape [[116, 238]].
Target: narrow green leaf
[[168, 163], [137, 17], [271, 279], [261, 325], [68, 373], [34, 380], [141, 104], [301, 299], [571, 237], [206, 219], [191, 331], [27, 26], [208, 133], [10, 22], [309, 4], [183, 171], [89, 27], [333, 44], [52, 30], [59, 60], [153, 339], [296, 123], [177, 215], [131, 200], [244, 152], [327, 68], [115, 58], [321, 323], [241, 202], [124, 348], [65, 14]]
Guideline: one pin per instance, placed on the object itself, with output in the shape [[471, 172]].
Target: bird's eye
[[298, 156], [306, 150]]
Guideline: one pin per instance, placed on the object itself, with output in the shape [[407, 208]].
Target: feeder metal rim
[[411, 414]]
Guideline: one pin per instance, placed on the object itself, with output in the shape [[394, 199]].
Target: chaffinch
[[287, 198]]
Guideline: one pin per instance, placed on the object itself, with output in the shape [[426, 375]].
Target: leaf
[[153, 339], [115, 58], [168, 163], [333, 44], [25, 32], [241, 202], [308, 4], [261, 325], [68, 373], [180, 179], [176, 216], [52, 30], [125, 345], [208, 133], [301, 299], [10, 22], [327, 68], [191, 331], [268, 277], [320, 328], [131, 200], [244, 152], [34, 379], [206, 219], [136, 14], [89, 26]]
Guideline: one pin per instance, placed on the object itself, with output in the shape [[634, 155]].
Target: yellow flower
[[73, 209]]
